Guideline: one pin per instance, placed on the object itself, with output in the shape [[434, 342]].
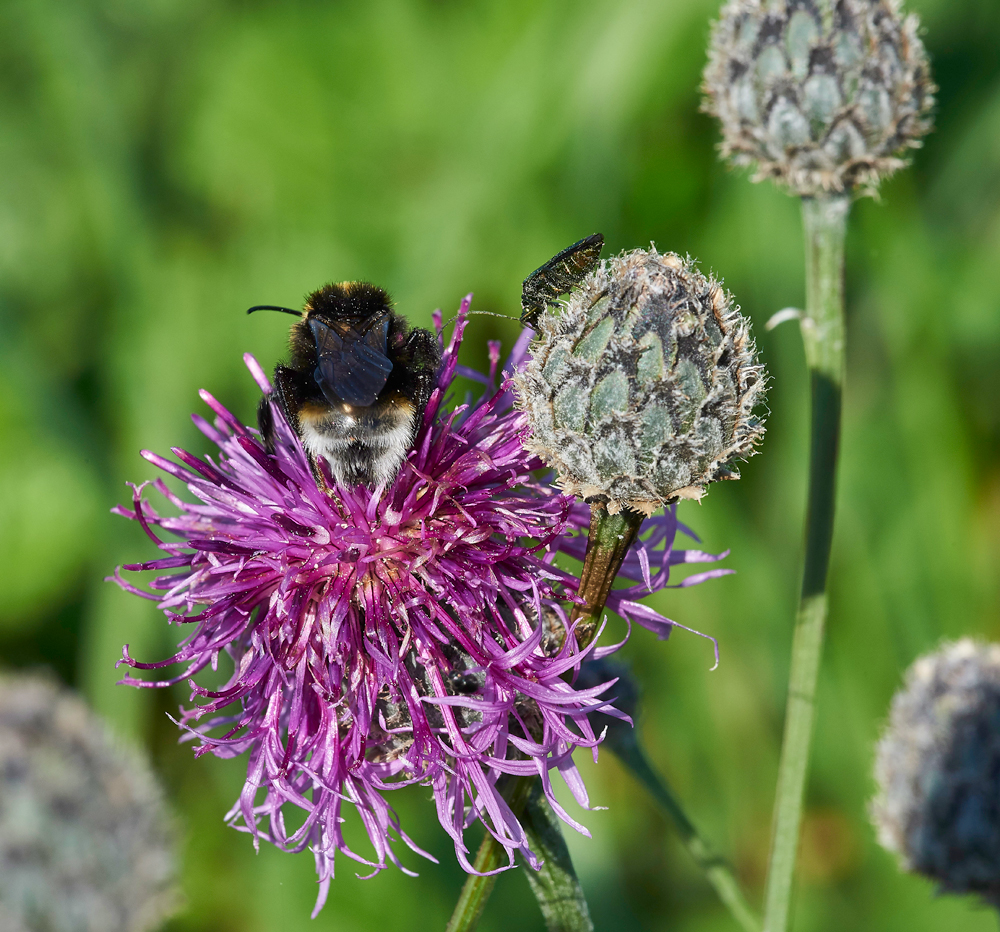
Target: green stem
[[477, 889], [717, 871], [825, 221], [608, 541]]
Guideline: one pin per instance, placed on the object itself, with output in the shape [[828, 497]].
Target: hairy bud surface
[[821, 96], [642, 384]]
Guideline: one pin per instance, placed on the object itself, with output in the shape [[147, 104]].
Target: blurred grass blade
[[623, 742]]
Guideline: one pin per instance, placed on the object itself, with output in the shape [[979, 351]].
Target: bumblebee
[[356, 385], [560, 274]]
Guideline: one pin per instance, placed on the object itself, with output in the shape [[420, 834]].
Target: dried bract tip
[[641, 386], [85, 841], [938, 770], [821, 96]]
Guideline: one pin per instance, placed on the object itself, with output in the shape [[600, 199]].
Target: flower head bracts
[[414, 633], [823, 97], [643, 383]]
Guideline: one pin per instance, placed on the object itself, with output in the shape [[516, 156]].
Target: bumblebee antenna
[[274, 307]]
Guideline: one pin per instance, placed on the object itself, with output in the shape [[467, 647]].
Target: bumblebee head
[[347, 303], [342, 340]]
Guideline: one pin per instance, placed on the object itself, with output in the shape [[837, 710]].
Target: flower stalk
[[608, 542], [489, 861], [824, 220], [659, 549]]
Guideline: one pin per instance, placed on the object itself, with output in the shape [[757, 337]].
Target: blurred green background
[[167, 163]]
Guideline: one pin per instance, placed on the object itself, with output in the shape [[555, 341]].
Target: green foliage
[[167, 164]]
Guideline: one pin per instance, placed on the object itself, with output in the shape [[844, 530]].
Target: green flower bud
[[938, 770], [642, 384], [821, 96]]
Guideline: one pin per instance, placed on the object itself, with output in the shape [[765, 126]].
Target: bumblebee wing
[[362, 374], [349, 370], [557, 276], [376, 337]]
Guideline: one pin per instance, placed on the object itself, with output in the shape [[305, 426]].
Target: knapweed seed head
[[938, 770], [641, 386], [377, 638], [85, 838], [822, 96]]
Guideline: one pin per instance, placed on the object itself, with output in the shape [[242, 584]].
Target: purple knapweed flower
[[415, 633]]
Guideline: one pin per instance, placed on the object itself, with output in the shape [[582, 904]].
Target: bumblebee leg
[[422, 348], [321, 482], [291, 389], [424, 353], [288, 394], [265, 422]]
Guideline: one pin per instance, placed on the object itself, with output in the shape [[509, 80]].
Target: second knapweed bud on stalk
[[640, 391], [825, 97]]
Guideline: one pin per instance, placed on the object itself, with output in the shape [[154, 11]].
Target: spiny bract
[[641, 386], [822, 96]]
